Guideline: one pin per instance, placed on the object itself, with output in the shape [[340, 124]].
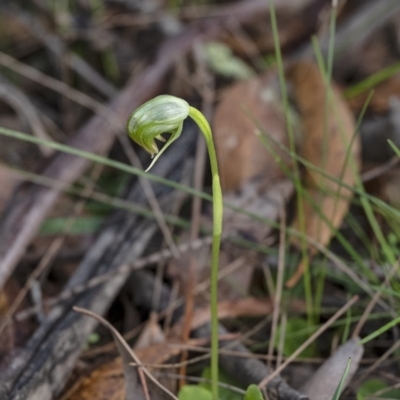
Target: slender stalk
[[204, 126]]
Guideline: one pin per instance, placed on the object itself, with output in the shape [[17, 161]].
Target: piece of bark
[[41, 370]]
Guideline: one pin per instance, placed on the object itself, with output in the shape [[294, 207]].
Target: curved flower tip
[[163, 114]]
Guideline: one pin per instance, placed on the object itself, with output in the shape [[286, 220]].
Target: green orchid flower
[[163, 114]]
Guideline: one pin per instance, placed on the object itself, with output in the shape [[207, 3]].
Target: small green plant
[[198, 392], [377, 388], [253, 393], [165, 114]]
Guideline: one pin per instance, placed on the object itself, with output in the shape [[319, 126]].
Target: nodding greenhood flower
[[163, 114]]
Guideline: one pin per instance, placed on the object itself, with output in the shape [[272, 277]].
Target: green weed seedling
[[165, 114], [197, 392], [253, 393]]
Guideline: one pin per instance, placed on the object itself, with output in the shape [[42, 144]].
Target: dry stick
[[150, 195], [373, 301], [247, 43], [59, 87], [223, 337], [380, 170], [239, 10], [138, 264], [126, 347], [88, 102], [281, 343], [198, 358], [97, 196], [144, 384], [192, 361], [201, 287], [61, 52], [179, 199], [50, 254], [20, 102], [279, 283], [311, 339], [194, 233]]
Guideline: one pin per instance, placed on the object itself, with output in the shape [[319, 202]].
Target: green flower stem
[[204, 126]]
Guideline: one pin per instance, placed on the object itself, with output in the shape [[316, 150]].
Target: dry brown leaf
[[228, 309], [241, 156], [325, 145], [104, 383], [247, 307], [151, 334], [118, 379], [254, 198], [107, 381], [250, 176]]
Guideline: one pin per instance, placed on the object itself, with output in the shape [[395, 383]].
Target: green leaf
[[394, 147], [194, 392], [371, 386], [297, 332], [80, 226], [253, 393], [225, 63], [224, 393]]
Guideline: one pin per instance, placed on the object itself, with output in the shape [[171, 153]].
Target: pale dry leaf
[[263, 197], [327, 137], [323, 383], [251, 177], [151, 334], [243, 106]]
